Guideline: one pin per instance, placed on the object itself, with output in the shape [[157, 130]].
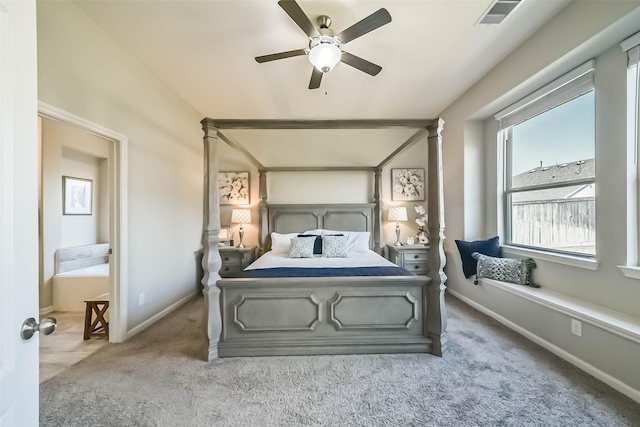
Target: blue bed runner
[[324, 272]]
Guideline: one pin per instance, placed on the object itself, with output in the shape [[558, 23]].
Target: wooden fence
[[563, 223]]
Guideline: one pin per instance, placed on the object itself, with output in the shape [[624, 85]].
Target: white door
[[18, 212]]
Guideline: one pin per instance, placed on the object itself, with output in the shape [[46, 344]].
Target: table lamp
[[398, 213], [241, 216]]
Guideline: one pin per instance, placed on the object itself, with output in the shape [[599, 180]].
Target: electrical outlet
[[576, 327], [141, 299]]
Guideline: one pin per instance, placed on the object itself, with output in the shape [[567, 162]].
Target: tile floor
[[66, 345]]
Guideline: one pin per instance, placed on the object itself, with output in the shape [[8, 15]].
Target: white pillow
[[358, 240], [281, 243], [316, 232]]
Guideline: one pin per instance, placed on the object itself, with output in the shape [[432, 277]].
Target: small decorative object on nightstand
[[412, 258], [234, 260]]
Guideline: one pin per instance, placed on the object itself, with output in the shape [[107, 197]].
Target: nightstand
[[410, 257], [234, 260]]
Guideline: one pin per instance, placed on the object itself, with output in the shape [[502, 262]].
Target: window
[[549, 166]]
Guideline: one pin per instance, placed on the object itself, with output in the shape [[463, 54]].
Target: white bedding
[[357, 259]]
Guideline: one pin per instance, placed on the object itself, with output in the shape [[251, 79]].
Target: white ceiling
[[204, 50], [430, 53]]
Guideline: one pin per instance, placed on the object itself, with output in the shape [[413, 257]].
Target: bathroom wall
[[69, 151]]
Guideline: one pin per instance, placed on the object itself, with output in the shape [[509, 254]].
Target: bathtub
[[72, 288]]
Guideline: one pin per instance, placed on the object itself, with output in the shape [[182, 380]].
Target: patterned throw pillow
[[302, 247], [510, 270], [334, 246]]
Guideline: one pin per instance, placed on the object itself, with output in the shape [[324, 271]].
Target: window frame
[[566, 88], [632, 47]]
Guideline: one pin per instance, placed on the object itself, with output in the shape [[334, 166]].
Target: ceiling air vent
[[498, 11]]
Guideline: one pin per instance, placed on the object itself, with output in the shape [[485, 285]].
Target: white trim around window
[[632, 47]]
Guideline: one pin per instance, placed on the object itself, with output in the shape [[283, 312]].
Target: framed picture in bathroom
[[77, 194]]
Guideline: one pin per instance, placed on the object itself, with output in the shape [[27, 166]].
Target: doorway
[[71, 148]]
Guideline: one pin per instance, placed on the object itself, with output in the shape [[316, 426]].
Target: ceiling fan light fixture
[[325, 56]]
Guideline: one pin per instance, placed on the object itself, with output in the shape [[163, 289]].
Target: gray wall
[[83, 71], [471, 161]]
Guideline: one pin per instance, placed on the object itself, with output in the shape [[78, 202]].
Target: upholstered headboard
[[300, 218]]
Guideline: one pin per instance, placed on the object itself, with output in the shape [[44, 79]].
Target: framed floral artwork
[[407, 184], [233, 188]]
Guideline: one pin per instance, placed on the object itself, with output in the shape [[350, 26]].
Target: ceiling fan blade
[[370, 23], [281, 55], [361, 64], [316, 78], [299, 17]]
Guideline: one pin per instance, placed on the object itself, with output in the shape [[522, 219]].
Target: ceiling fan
[[325, 49]]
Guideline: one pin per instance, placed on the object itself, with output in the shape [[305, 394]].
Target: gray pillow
[[334, 246], [302, 247], [510, 270]]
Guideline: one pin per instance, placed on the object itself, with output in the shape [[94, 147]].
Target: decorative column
[[263, 223], [211, 261], [377, 214], [436, 311]]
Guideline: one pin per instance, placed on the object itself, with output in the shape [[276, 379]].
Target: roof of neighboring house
[[565, 172]]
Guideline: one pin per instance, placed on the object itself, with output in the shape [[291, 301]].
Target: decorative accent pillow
[[281, 243], [490, 247], [510, 270], [334, 246], [302, 247], [317, 245]]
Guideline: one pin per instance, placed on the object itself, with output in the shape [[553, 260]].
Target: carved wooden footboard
[[350, 315]]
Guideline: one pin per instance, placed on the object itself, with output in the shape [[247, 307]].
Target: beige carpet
[[490, 376]]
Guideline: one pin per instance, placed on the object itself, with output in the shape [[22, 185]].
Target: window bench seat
[[618, 323]]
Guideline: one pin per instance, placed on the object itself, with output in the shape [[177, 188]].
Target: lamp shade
[[325, 56], [241, 216], [398, 213]]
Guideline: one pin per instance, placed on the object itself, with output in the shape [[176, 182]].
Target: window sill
[[632, 272], [574, 261], [620, 324]]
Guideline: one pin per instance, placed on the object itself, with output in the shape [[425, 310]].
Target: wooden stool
[[99, 326]]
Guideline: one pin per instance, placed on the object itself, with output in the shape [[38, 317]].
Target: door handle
[[30, 327]]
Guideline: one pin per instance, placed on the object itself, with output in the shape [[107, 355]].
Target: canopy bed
[[328, 313]]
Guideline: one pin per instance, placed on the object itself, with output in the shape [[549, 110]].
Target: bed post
[[263, 223], [211, 261], [377, 215], [436, 311]]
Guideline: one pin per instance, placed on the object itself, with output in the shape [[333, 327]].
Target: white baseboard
[[46, 310], [144, 325], [588, 368]]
